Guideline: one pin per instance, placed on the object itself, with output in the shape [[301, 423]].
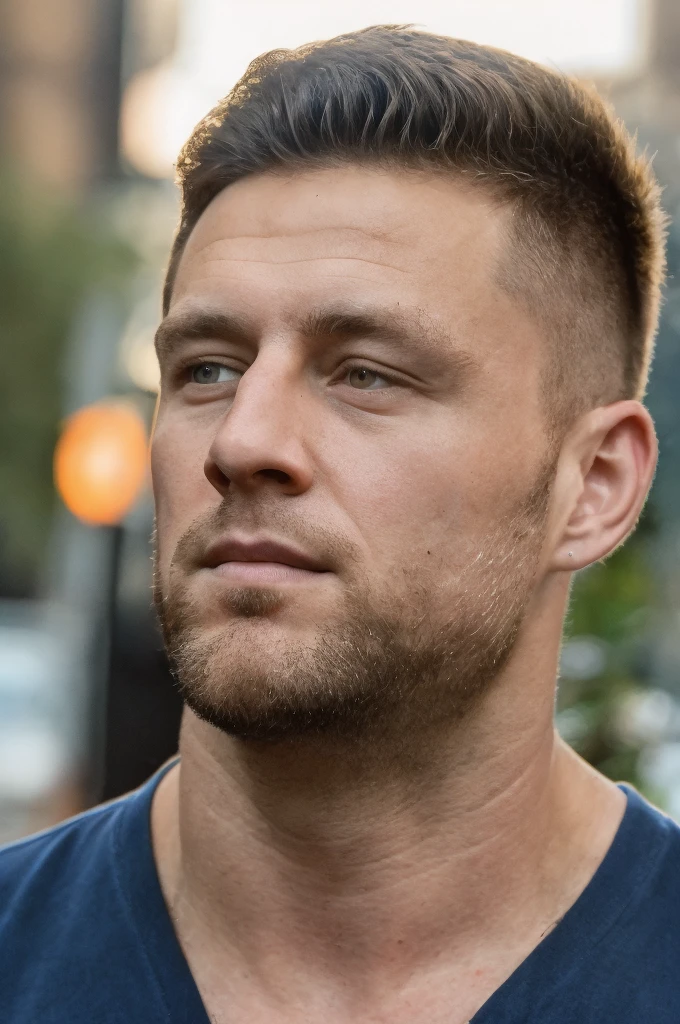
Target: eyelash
[[185, 371], [392, 379]]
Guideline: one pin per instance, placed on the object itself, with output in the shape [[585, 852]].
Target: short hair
[[585, 251]]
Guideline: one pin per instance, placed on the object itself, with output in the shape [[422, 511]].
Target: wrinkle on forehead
[[303, 259], [308, 246], [301, 231], [388, 219]]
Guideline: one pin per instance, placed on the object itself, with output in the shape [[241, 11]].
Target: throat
[[385, 896]]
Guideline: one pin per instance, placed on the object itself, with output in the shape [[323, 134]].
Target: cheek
[[434, 499], [181, 490], [405, 498]]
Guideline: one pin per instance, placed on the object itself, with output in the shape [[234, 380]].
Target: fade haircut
[[585, 245]]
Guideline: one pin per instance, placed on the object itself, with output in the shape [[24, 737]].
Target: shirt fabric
[[86, 938]]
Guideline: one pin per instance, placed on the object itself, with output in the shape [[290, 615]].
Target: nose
[[260, 441]]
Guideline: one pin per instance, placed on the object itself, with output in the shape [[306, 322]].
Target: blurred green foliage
[[612, 608], [51, 254]]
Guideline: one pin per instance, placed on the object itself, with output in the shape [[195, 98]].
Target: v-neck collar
[[617, 884], [631, 858]]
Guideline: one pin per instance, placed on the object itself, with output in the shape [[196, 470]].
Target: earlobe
[[613, 451]]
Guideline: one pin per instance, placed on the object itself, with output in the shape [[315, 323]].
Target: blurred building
[[87, 709], [64, 65], [60, 78]]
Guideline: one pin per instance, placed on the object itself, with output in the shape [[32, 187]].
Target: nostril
[[275, 474], [216, 477]]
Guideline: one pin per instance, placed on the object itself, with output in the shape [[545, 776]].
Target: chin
[[266, 692]]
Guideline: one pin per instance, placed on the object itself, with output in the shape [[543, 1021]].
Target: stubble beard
[[391, 665]]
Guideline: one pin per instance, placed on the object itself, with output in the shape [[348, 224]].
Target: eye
[[364, 379], [213, 373]]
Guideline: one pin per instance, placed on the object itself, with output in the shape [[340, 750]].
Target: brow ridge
[[334, 321]]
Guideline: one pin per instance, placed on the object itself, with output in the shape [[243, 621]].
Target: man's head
[[406, 266]]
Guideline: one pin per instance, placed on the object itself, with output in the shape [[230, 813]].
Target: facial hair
[[413, 656]]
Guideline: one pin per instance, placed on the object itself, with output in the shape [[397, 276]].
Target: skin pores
[[341, 373]]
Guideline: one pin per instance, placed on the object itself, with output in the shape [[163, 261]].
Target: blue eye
[[213, 373]]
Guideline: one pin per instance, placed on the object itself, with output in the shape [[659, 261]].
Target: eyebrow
[[414, 329], [198, 324]]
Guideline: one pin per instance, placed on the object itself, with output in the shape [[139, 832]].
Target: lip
[[263, 549]]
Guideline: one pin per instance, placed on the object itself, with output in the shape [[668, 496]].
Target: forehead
[[421, 249], [351, 228]]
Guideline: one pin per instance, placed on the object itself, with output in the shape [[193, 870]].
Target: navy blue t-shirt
[[85, 936]]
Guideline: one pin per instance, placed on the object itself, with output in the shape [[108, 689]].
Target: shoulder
[[66, 919], [43, 869], [635, 953], [651, 834], [71, 878], [651, 905]]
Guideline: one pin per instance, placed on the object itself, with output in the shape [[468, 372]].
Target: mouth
[[261, 562]]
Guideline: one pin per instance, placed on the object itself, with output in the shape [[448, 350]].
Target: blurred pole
[[104, 642], [81, 558], [107, 84], [100, 465]]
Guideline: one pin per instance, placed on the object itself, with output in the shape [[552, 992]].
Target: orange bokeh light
[[100, 462]]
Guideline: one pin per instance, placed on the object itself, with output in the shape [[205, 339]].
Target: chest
[[448, 1000]]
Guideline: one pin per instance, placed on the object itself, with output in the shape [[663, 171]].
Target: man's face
[[349, 459]]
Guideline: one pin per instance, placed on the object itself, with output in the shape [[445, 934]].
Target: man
[[408, 320]]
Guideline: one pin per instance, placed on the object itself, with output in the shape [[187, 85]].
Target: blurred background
[[96, 97]]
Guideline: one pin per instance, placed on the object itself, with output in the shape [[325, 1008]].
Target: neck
[[362, 869]]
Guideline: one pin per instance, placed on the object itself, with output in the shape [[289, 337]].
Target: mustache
[[323, 542]]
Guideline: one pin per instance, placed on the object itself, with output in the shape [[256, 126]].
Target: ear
[[604, 474]]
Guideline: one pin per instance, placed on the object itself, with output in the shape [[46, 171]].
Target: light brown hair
[[586, 246]]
